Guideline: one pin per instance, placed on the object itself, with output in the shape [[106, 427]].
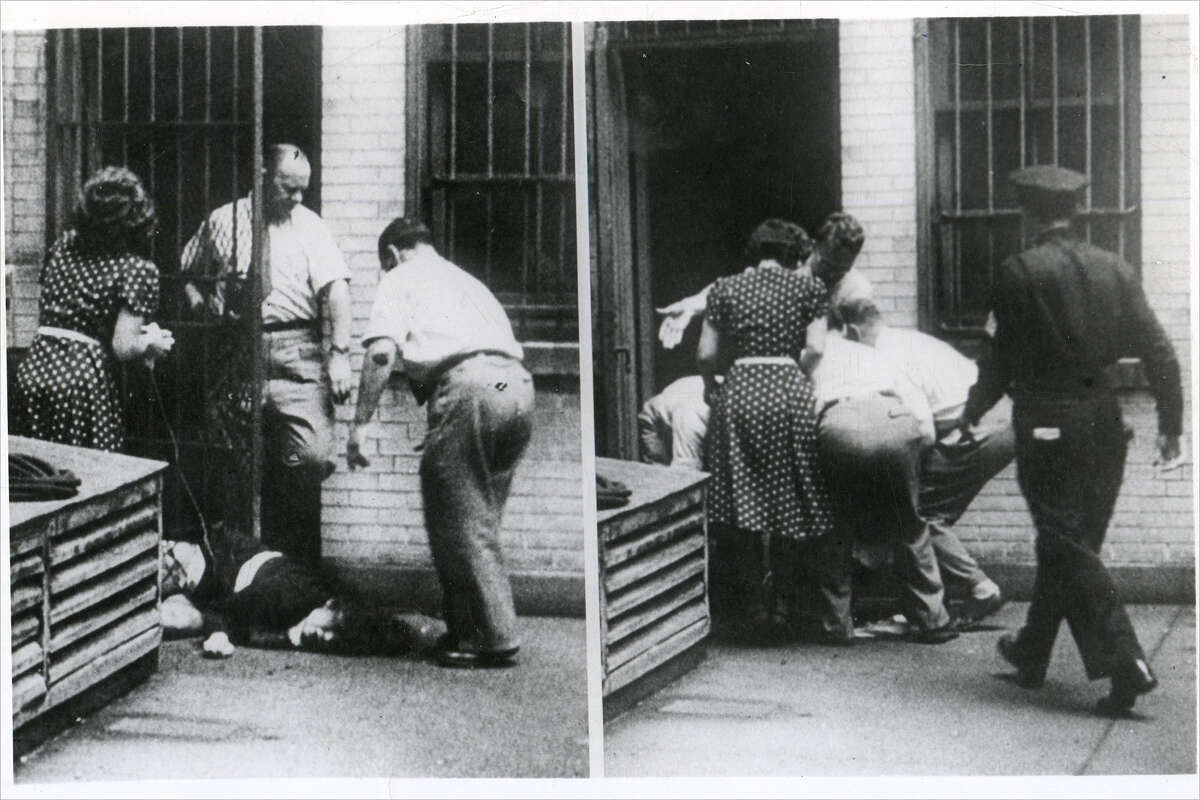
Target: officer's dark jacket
[[1064, 312]]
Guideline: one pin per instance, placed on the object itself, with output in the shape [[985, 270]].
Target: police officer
[[1064, 311]]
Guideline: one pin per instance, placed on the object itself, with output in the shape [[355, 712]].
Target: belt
[[423, 390], [66, 333], [290, 325], [766, 360], [879, 393]]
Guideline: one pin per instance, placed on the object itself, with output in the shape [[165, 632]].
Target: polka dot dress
[[66, 390], [762, 438]]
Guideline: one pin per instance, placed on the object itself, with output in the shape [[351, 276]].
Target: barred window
[[1002, 93], [494, 168]]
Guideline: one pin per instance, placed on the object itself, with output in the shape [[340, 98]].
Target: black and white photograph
[[892, 363], [682, 398], [293, 399]]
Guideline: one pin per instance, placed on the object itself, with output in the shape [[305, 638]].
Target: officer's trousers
[[1070, 463]]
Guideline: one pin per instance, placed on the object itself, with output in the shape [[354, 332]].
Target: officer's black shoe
[[1027, 677], [1130, 681]]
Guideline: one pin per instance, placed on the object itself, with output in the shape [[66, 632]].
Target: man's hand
[[965, 428], [194, 298], [1169, 455], [354, 456], [339, 376]]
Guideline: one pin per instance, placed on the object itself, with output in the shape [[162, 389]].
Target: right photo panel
[[892, 386]]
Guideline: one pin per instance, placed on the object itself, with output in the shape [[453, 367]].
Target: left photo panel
[[295, 479]]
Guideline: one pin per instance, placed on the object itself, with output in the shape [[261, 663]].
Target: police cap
[[1047, 190], [1048, 179]]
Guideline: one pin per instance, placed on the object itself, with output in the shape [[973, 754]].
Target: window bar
[[563, 255], [93, 132], [491, 104], [537, 208], [179, 143], [1087, 119], [564, 125], [529, 142], [991, 181], [125, 96], [453, 101], [491, 151], [99, 74], [77, 113], [565, 91], [528, 92], [954, 277], [450, 199], [1054, 89], [957, 118], [991, 176], [1032, 72], [153, 107], [236, 80], [208, 118], [1021, 89], [1121, 133]]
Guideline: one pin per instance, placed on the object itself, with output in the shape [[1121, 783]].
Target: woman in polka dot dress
[[766, 483], [97, 295]]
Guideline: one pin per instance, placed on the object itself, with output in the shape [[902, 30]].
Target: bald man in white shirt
[[457, 348], [955, 469], [305, 276]]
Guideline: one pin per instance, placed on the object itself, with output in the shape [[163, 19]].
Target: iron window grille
[[997, 94], [494, 166], [182, 108]]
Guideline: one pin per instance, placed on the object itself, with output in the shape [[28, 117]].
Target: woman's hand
[[157, 341]]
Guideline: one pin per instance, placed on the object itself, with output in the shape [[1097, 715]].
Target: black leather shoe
[[450, 653], [1127, 683], [1027, 678]]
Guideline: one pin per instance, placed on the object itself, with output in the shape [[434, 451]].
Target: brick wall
[[879, 183], [24, 177], [372, 519], [1151, 539]]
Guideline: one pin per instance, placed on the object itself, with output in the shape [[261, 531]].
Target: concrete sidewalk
[[291, 714], [888, 707]]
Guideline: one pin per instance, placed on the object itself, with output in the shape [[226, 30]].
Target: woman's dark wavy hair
[[114, 212], [778, 239]]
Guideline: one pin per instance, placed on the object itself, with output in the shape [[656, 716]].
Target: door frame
[[626, 337]]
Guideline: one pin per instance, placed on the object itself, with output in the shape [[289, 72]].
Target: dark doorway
[[292, 95], [721, 136]]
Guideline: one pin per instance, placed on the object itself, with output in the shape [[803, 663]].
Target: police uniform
[[1064, 312]]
